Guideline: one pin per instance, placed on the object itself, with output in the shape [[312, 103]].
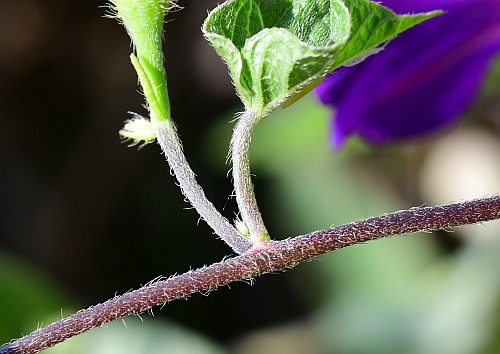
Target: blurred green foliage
[[27, 297]]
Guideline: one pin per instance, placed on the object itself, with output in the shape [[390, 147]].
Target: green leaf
[[373, 25], [276, 49]]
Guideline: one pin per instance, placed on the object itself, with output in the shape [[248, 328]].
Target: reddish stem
[[275, 256]]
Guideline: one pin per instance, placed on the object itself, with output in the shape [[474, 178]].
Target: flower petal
[[423, 80]]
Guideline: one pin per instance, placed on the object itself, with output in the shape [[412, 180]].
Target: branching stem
[[272, 257]]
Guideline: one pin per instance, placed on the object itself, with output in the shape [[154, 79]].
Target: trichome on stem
[[275, 256]]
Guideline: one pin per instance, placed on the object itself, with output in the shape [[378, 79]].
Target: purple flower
[[423, 80]]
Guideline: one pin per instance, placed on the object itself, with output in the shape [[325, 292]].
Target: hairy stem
[[275, 256], [168, 139], [243, 187]]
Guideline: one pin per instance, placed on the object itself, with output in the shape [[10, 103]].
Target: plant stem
[[243, 187], [144, 23], [274, 256], [168, 139]]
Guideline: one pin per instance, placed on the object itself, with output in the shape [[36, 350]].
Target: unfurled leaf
[[274, 49]]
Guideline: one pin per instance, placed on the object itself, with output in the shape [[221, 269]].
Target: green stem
[[243, 186]]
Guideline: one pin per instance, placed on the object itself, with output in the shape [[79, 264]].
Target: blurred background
[[83, 217]]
